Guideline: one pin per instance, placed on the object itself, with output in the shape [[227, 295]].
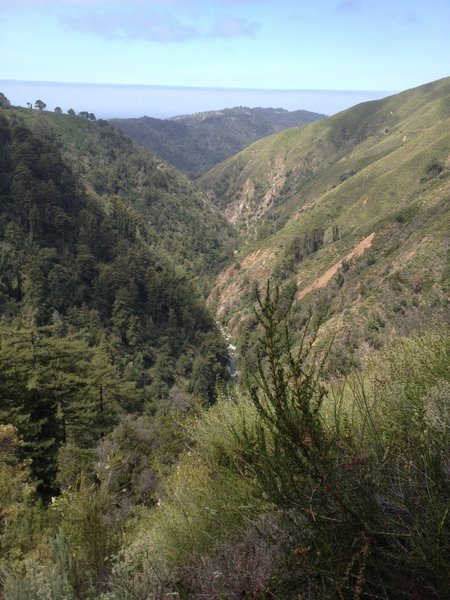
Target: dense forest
[[96, 321], [132, 465]]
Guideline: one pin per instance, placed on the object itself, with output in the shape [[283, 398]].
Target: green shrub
[[205, 519], [433, 169], [359, 479]]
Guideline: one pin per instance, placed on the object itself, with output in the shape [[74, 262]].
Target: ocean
[[111, 100]]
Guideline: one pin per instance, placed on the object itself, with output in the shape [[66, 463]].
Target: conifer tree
[[56, 390]]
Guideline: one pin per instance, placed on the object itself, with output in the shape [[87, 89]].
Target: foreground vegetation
[[290, 488]]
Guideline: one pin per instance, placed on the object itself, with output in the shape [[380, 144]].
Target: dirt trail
[[323, 280]]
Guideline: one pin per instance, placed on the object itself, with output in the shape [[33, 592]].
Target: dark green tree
[[40, 105], [57, 390]]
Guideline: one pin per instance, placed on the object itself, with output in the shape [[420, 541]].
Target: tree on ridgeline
[[40, 105], [4, 102]]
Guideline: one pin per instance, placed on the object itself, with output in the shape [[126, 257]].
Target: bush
[[20, 519], [203, 537], [359, 478], [433, 169]]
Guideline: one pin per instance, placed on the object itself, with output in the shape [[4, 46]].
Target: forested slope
[[179, 220], [96, 319]]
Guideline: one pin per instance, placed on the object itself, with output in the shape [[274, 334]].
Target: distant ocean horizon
[[124, 101]]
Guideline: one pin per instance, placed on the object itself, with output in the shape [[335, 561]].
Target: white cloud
[[228, 27], [148, 25], [163, 21]]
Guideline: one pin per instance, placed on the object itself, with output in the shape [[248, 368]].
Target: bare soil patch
[[323, 280]]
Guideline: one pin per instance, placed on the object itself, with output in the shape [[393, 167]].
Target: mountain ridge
[[194, 143], [334, 136], [179, 218]]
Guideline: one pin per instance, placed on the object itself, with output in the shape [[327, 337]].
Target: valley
[[233, 386], [195, 143]]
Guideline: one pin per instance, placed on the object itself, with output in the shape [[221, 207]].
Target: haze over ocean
[[111, 100]]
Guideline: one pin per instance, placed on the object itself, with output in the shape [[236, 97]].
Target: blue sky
[[261, 44]]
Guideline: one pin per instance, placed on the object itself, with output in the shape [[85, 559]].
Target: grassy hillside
[[349, 215], [194, 143]]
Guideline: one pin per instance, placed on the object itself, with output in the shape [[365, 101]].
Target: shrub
[[433, 169], [203, 537], [359, 478]]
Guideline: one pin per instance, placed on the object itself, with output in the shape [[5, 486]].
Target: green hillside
[[194, 143], [179, 220], [97, 320], [349, 215]]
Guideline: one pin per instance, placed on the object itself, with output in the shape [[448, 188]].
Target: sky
[[138, 52]]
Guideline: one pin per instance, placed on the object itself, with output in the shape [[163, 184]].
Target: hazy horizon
[[124, 101], [163, 58]]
